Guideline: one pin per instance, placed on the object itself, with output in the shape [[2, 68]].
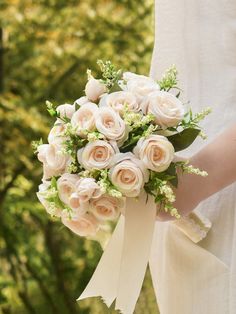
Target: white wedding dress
[[199, 36]]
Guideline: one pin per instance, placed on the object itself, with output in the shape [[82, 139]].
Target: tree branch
[[43, 288], [3, 192], [54, 251], [1, 61]]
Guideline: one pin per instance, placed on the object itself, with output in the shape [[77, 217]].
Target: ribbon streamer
[[139, 228], [121, 269], [104, 280]]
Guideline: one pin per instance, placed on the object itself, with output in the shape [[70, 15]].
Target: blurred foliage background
[[45, 48]]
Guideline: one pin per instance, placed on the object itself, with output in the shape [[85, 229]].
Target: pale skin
[[219, 160]]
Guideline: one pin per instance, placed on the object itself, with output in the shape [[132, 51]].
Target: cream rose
[[81, 101], [42, 149], [84, 118], [66, 186], [66, 111], [107, 207], [167, 109], [76, 203], [110, 124], [139, 85], [82, 225], [129, 76], [128, 174], [94, 89], [42, 195], [97, 154], [56, 133], [155, 151], [48, 172], [87, 188], [118, 100], [54, 160]]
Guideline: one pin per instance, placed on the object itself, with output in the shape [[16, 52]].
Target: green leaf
[[51, 108], [184, 139], [129, 145], [172, 172], [115, 88], [77, 106], [36, 144]]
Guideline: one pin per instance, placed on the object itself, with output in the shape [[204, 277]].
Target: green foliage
[[110, 74], [183, 139], [169, 79], [192, 120], [51, 109], [106, 185], [52, 197], [158, 186], [36, 144], [45, 50], [141, 126], [73, 141]]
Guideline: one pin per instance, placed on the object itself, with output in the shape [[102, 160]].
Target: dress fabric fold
[[199, 37]]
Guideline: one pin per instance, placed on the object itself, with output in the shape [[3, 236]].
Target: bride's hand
[[218, 160], [185, 200]]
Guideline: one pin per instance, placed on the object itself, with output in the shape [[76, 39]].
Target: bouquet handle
[[195, 226]]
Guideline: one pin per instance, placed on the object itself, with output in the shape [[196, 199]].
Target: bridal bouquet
[[116, 145], [114, 142]]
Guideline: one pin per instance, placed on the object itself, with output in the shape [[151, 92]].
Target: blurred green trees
[[45, 48]]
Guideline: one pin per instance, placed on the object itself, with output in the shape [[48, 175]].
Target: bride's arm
[[219, 160]]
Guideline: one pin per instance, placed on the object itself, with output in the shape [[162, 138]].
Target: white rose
[[107, 207], [81, 101], [56, 133], [41, 194], [82, 225], [66, 186], [66, 110], [87, 188], [42, 149], [54, 160], [128, 174], [128, 76], [48, 172], [110, 124], [84, 118], [139, 85], [75, 203], [167, 109], [52, 155], [97, 154], [94, 89], [155, 151], [118, 100]]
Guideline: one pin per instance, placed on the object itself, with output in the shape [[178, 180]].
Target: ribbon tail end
[[84, 295]]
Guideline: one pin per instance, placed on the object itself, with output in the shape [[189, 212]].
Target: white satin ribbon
[[104, 280], [139, 228], [121, 269]]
